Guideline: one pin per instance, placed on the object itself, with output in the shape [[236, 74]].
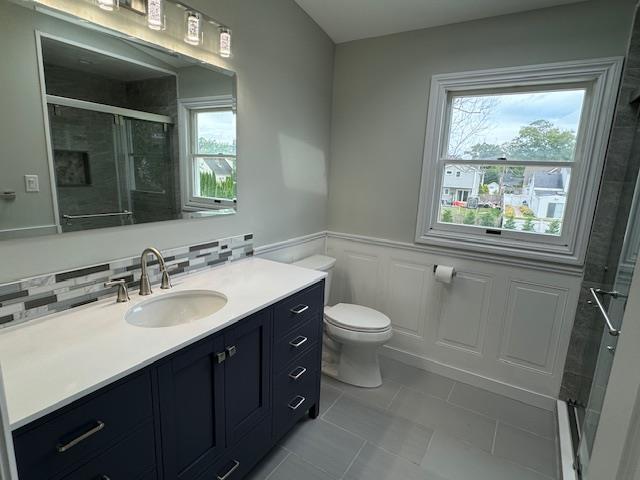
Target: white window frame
[[187, 109], [603, 77]]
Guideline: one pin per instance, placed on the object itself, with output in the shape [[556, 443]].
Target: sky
[[220, 126], [513, 111]]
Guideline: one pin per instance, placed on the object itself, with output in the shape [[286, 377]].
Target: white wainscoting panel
[[294, 249], [532, 325], [464, 310], [498, 326]]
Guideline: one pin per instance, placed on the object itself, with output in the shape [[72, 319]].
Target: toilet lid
[[357, 318]]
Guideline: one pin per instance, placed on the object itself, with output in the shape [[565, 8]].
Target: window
[[210, 156], [526, 145]]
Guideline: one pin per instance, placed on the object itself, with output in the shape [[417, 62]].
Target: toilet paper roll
[[444, 273]]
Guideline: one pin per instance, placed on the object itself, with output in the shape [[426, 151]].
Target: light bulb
[[193, 27], [155, 15], [225, 42], [108, 5]]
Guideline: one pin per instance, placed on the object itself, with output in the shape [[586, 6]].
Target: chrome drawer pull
[[236, 464], [298, 309], [104, 477], [231, 351], [296, 376], [296, 342], [84, 436], [297, 405]]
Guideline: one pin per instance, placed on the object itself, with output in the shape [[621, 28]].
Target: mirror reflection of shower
[[111, 129]]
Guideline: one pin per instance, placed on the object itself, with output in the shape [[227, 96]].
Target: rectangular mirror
[[134, 133]]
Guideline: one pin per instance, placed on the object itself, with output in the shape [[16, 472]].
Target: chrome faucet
[[145, 286]]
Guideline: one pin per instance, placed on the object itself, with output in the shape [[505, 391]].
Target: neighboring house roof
[[219, 166], [551, 179]]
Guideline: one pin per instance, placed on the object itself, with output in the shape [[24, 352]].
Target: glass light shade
[[108, 5], [225, 42], [193, 28], [155, 15]]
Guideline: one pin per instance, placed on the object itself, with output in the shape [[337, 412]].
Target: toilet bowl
[[353, 334]]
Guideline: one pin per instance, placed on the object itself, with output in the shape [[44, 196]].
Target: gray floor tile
[[324, 445], [375, 464], [527, 449], [380, 427], [455, 459], [295, 468], [328, 395], [379, 397], [437, 414], [415, 378], [518, 414], [268, 464]]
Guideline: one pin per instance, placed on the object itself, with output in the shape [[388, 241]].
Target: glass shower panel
[[153, 176], [87, 152], [617, 300]]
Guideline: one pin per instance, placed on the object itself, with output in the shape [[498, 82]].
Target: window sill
[[514, 251]]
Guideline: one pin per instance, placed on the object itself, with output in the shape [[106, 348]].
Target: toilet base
[[359, 366]]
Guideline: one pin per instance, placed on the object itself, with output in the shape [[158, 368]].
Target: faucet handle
[[123, 292]]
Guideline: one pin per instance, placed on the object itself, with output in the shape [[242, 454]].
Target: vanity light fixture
[[225, 42], [193, 27], [156, 19], [108, 5]]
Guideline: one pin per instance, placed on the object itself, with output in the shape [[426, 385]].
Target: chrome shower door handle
[[613, 331]]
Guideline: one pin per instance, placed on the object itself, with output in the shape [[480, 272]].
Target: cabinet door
[[191, 392], [247, 374]]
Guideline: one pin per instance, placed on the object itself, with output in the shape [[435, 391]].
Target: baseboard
[[464, 376]]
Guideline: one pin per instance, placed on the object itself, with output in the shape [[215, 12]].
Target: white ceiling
[[346, 20]]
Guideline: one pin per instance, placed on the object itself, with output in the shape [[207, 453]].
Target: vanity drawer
[[296, 342], [293, 400], [83, 430], [298, 308], [239, 461], [297, 375], [132, 458]]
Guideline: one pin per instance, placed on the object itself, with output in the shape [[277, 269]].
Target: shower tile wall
[[607, 234]]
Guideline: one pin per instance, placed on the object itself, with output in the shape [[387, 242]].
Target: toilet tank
[[322, 263]]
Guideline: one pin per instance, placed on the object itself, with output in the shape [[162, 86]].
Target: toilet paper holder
[[435, 267]]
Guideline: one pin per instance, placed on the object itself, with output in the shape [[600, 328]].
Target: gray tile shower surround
[[38, 296], [609, 225], [416, 426]]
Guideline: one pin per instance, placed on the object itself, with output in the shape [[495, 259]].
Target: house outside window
[[513, 157]]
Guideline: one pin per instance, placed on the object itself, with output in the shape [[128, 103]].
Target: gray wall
[[381, 89], [284, 64]]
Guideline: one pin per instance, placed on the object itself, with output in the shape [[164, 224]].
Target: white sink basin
[[175, 308]]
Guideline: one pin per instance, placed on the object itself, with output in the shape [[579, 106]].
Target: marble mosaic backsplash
[[54, 292]]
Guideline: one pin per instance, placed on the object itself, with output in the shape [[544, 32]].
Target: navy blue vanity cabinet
[[86, 431], [247, 374], [191, 387], [209, 411]]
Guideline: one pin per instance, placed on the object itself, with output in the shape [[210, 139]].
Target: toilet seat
[[357, 318]]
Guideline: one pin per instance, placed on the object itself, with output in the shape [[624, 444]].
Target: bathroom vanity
[[91, 396]]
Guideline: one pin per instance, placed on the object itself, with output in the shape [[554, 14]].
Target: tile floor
[[416, 426]]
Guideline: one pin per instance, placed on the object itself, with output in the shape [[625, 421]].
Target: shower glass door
[[613, 304], [88, 159]]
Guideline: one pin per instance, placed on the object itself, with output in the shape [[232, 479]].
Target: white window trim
[[185, 108], [604, 74]]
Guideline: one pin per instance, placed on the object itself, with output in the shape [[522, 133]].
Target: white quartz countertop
[[50, 362]]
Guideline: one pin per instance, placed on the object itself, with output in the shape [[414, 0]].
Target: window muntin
[[212, 158], [514, 153]]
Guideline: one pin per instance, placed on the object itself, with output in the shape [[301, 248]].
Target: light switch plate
[[31, 183]]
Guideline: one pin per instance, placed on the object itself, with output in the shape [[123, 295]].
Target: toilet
[[353, 334]]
